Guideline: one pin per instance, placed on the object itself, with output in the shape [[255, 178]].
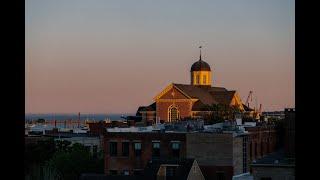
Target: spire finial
[[200, 52]]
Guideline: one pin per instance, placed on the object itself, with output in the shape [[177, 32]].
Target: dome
[[200, 66]]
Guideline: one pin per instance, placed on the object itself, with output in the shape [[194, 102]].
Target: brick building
[[129, 153], [262, 141], [280, 164], [221, 154], [179, 101]]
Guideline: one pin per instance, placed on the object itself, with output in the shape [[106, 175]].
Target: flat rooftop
[[216, 128], [275, 159]]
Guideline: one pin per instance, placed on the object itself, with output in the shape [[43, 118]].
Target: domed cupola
[[200, 66], [200, 73]]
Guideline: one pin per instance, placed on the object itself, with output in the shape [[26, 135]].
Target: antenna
[[78, 119], [200, 52]]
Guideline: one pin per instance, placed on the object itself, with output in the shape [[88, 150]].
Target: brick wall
[[210, 149], [184, 109], [132, 162], [264, 138]]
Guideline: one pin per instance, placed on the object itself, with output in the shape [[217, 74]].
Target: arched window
[[204, 79], [198, 79], [173, 113]]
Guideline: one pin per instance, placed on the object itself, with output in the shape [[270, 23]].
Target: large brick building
[[179, 101], [219, 154], [262, 141], [280, 164]]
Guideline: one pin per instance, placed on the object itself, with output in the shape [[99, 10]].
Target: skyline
[[113, 56]]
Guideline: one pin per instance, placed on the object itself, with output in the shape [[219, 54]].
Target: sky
[[112, 56]]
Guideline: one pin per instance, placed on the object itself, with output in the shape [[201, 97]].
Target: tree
[[73, 161], [63, 145], [38, 153], [219, 113], [43, 172]]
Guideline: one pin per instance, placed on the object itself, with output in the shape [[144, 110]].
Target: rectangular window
[[156, 149], [125, 148], [198, 79], [137, 149], [113, 148], [175, 149], [94, 151], [204, 79]]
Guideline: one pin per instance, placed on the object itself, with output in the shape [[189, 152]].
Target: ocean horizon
[[74, 116]]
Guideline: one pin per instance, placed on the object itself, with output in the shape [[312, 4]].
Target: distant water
[[95, 117]]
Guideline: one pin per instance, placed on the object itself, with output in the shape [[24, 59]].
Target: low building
[[273, 115], [275, 166], [91, 141], [98, 128]]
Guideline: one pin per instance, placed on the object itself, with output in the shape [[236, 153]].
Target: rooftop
[[275, 159], [192, 126]]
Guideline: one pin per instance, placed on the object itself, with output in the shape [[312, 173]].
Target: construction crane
[[260, 109], [249, 97]]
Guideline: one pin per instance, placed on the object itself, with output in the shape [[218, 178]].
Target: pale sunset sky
[[111, 56]]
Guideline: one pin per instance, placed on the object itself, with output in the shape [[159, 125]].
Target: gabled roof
[[151, 107], [182, 172], [198, 92], [223, 97], [207, 95]]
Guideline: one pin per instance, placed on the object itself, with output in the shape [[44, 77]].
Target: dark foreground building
[[220, 154], [281, 164], [178, 169]]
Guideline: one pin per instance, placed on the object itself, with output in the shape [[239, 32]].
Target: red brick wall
[[184, 109], [130, 163], [177, 94], [265, 138]]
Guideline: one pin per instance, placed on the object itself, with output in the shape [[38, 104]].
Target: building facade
[[219, 155], [180, 101]]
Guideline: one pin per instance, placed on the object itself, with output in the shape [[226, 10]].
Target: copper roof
[[207, 95], [200, 66]]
